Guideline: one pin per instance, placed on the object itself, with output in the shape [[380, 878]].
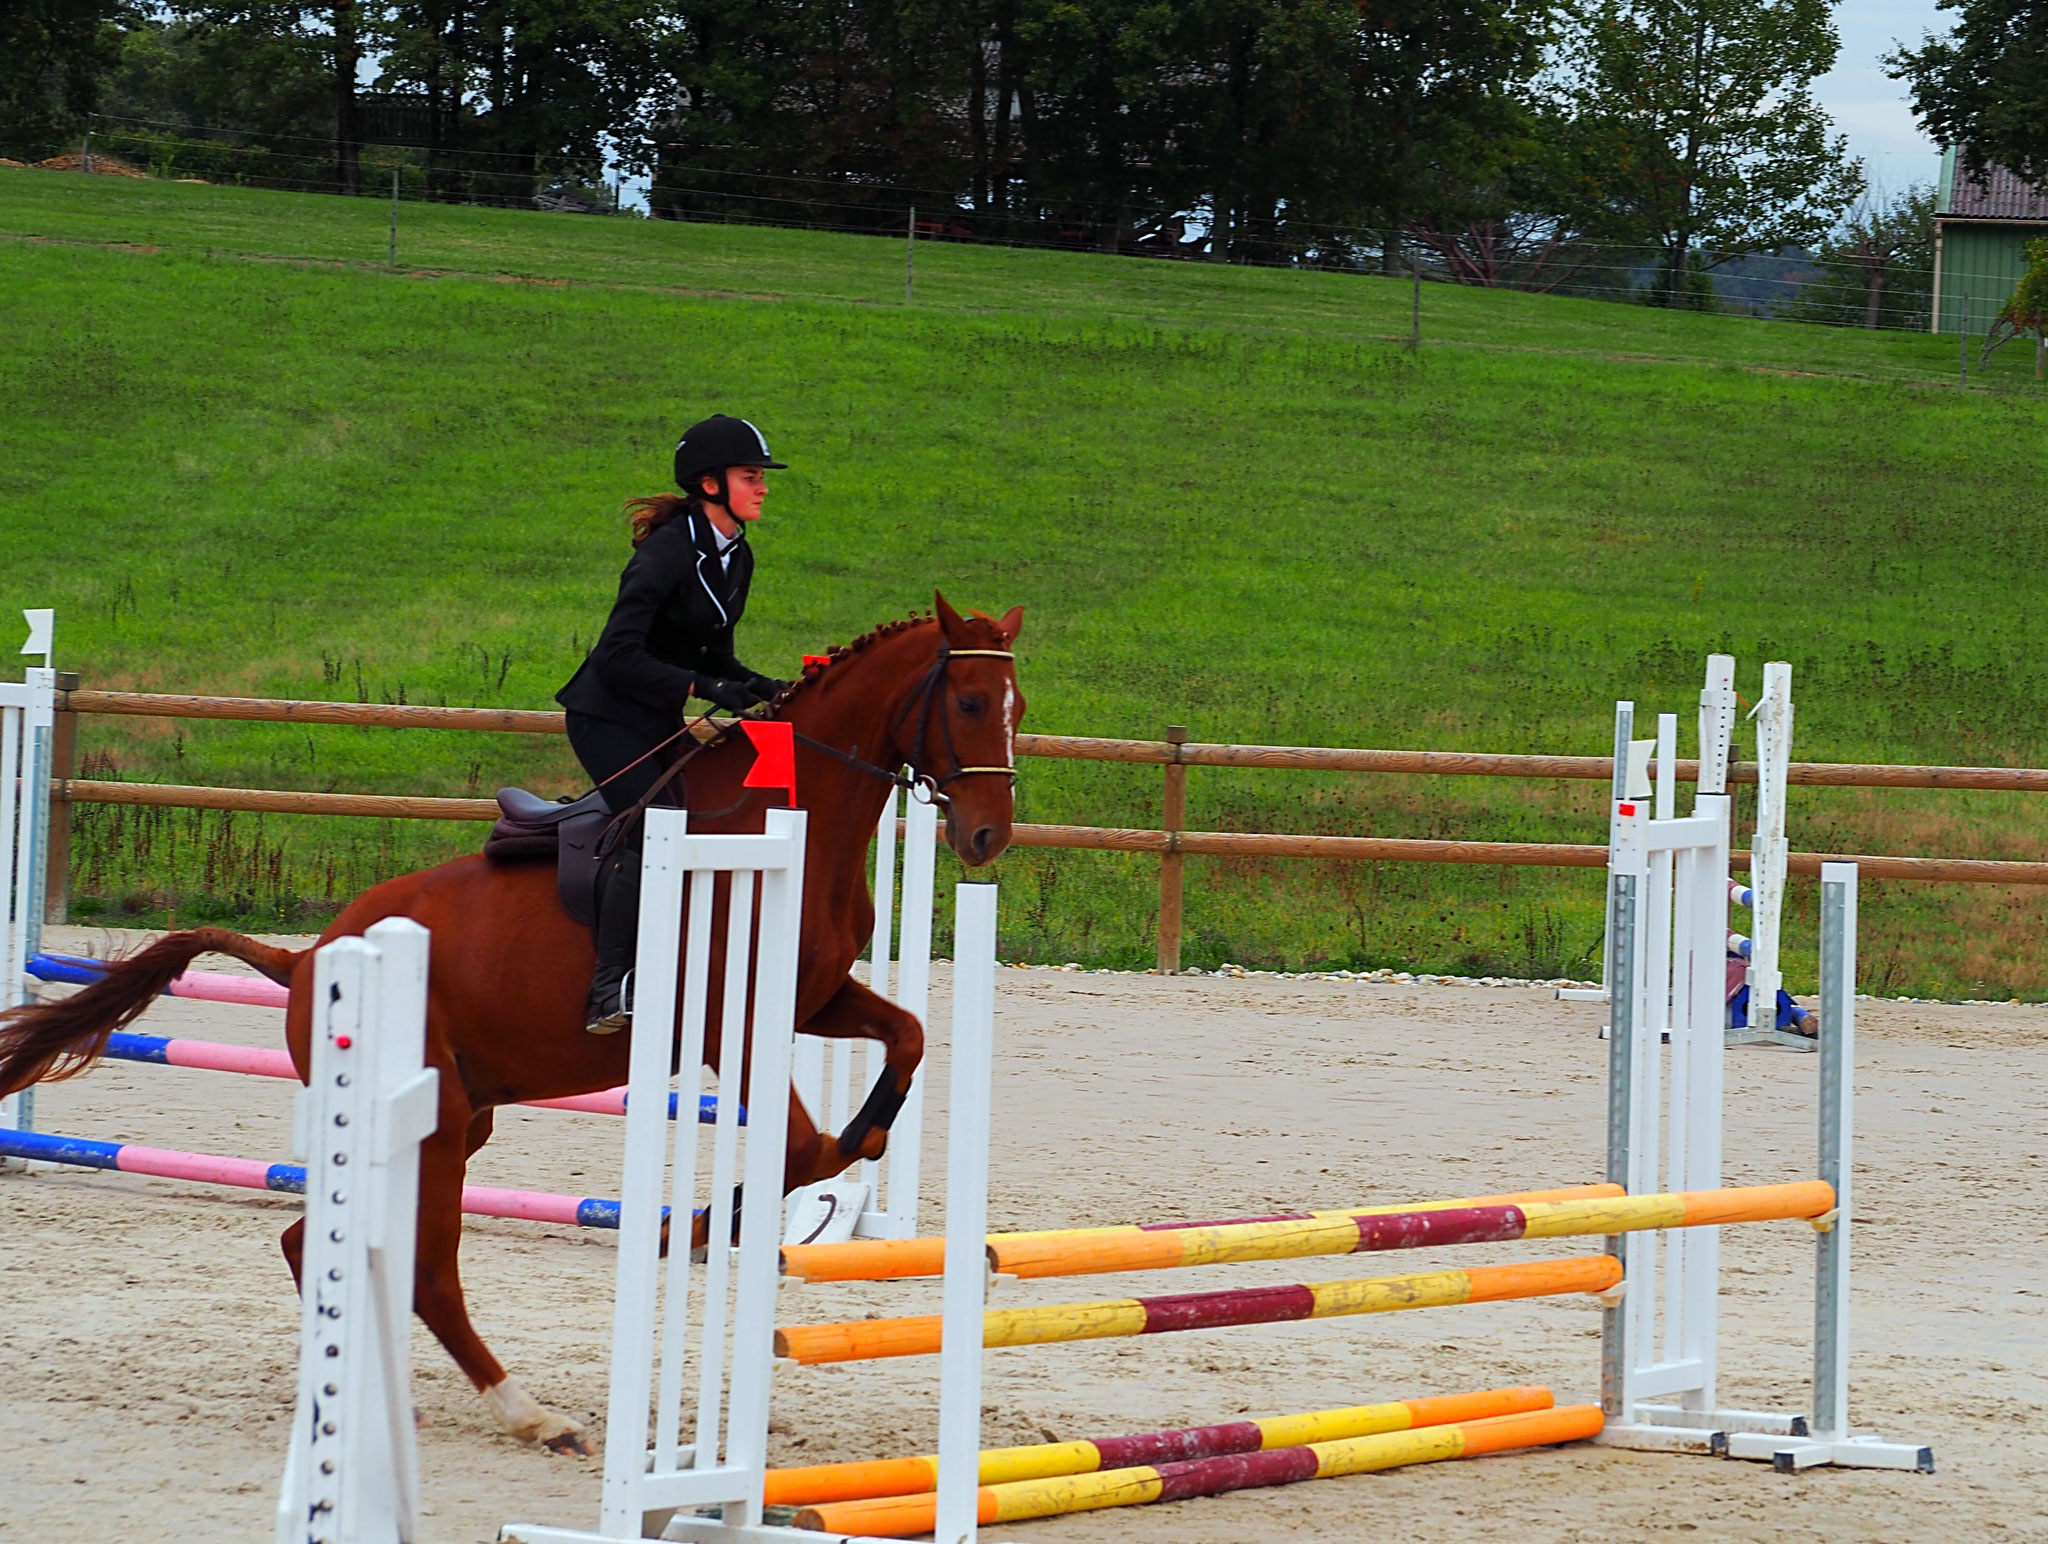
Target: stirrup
[[620, 1017]]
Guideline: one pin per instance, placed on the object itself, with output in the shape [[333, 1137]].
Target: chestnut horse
[[509, 968]]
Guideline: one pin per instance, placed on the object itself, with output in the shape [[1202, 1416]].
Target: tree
[[1984, 89], [1878, 269], [2027, 310], [1438, 91], [1521, 226], [1700, 133], [510, 84], [53, 54]]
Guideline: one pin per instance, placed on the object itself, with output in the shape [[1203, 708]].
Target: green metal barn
[[1981, 231]]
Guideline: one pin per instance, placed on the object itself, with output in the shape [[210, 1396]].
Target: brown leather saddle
[[568, 830]]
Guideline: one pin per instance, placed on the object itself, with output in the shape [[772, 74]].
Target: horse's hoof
[[571, 1442], [529, 1420]]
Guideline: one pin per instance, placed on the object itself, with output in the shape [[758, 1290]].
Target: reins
[[919, 783]]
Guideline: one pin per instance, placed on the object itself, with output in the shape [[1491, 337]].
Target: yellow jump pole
[[865, 1339], [901, 1516], [856, 1481], [895, 1259]]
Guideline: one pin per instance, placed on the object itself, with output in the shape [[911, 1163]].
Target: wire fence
[[1838, 288]]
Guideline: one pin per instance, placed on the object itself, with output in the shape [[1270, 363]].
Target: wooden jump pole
[[866, 1339], [899, 1517], [861, 1481], [898, 1259]]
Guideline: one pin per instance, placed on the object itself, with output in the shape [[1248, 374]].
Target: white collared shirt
[[725, 543]]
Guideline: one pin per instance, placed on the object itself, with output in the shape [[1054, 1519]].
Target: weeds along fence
[[1173, 755]]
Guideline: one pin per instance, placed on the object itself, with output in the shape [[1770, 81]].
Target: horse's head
[[964, 735]]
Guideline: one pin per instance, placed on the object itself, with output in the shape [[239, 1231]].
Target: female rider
[[669, 637]]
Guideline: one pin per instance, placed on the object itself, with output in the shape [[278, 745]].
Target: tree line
[[1500, 141]]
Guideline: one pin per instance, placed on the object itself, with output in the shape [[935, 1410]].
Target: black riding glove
[[721, 692], [766, 688]]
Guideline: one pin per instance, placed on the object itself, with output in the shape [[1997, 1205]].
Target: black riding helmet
[[715, 443]]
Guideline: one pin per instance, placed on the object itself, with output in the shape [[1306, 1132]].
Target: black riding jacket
[[672, 623]]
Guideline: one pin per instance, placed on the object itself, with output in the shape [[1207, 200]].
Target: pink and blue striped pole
[[206, 985], [266, 1062], [285, 1178], [262, 1062]]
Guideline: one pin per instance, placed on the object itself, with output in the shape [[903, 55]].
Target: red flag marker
[[817, 659], [774, 756]]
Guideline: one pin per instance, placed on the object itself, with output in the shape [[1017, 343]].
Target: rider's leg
[[614, 751], [618, 933]]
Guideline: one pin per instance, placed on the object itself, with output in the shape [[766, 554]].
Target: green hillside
[[247, 457]]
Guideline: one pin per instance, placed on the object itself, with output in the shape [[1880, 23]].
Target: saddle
[[567, 830]]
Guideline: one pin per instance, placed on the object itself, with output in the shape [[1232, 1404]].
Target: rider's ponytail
[[656, 510]]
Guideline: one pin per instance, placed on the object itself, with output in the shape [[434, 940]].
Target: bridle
[[921, 784]]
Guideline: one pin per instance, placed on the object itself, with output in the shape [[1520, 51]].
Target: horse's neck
[[860, 708], [865, 703]]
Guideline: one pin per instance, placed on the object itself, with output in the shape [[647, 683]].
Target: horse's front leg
[[856, 1013]]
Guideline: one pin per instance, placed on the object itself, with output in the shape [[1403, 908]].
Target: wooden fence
[[1174, 754]]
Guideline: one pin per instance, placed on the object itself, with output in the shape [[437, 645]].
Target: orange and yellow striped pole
[[865, 1339], [899, 1258], [818, 1483], [901, 1516]]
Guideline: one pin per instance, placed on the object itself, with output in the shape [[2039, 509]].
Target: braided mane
[[843, 651]]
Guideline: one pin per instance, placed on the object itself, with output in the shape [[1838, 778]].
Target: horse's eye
[[970, 706]]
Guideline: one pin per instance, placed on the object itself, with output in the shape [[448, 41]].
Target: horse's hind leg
[[293, 1243], [437, 1281]]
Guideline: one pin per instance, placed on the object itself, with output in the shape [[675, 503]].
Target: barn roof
[[1998, 195]]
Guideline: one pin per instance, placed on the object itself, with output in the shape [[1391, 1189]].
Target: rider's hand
[[766, 688], [731, 695]]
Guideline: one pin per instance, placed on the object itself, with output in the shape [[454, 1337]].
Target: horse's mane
[[843, 651]]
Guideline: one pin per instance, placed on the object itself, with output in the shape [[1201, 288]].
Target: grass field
[[249, 458]]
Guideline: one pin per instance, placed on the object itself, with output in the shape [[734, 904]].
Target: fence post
[[64, 767], [1173, 819]]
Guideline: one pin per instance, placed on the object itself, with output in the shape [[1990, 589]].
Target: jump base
[[1861, 1450], [694, 1530], [1783, 1039]]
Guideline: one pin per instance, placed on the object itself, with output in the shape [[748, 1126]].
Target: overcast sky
[[1868, 106]]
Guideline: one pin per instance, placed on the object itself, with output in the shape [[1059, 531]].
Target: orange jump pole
[[821, 1483], [898, 1258], [1375, 1231], [901, 1516], [865, 1339]]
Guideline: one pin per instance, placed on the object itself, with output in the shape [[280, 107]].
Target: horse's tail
[[42, 1042]]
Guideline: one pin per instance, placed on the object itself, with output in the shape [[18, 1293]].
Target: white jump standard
[[1669, 886], [352, 1472], [655, 1482]]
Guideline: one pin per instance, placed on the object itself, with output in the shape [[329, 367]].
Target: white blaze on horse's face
[[1010, 720]]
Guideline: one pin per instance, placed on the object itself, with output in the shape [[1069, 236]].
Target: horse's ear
[[949, 619], [1011, 623]]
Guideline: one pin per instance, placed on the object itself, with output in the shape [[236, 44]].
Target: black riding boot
[[618, 931]]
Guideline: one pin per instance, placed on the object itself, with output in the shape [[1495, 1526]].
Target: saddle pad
[[517, 844]]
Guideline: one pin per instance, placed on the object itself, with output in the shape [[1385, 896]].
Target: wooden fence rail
[[1164, 753], [1174, 755]]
